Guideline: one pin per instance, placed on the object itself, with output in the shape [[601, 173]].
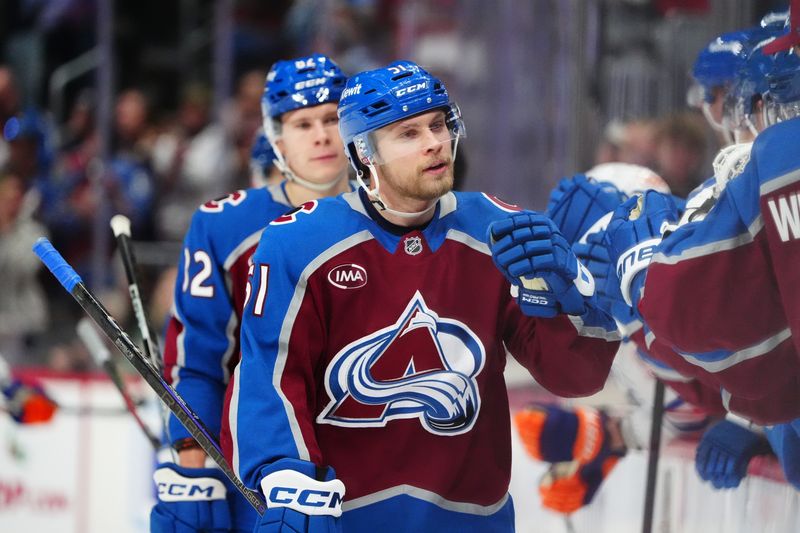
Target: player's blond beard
[[422, 187]]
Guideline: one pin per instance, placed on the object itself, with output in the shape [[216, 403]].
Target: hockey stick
[[74, 285], [121, 226], [653, 455], [102, 357]]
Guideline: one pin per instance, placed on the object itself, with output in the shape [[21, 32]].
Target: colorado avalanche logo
[[422, 366]]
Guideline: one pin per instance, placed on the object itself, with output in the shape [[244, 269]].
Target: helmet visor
[[416, 135]]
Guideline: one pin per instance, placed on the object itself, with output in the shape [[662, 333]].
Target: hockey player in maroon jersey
[[370, 394]]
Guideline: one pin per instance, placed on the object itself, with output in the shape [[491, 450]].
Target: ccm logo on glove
[[173, 487], [289, 488]]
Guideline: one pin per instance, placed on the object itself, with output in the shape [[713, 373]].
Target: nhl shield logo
[[413, 245]]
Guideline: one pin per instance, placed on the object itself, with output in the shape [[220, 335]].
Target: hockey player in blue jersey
[[370, 394], [299, 109], [748, 237]]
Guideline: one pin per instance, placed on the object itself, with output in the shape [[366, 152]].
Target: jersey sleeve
[[201, 333], [274, 390], [559, 352], [779, 201]]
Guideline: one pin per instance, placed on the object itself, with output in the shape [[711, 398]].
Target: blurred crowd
[[170, 154]]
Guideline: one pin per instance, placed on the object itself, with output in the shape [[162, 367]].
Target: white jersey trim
[[425, 495], [288, 324], [751, 352], [593, 331], [779, 183], [241, 248], [468, 240], [713, 247]]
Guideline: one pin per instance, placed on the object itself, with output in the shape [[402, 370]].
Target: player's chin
[[432, 187]]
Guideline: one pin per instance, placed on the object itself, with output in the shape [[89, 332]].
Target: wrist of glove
[[28, 403], [593, 253], [190, 499], [301, 497], [633, 235], [725, 451], [545, 275]]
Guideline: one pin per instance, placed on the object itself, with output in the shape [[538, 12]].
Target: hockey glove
[[633, 235], [555, 434], [785, 442], [566, 487], [593, 254], [27, 403], [725, 451], [301, 498], [577, 203], [532, 254], [190, 499]]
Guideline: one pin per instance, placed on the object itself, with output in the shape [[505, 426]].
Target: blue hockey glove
[[725, 451], [593, 254], [577, 203], [633, 235], [189, 500], [532, 254], [785, 442], [301, 498]]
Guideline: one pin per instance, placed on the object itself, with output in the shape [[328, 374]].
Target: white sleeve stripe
[[594, 332], [713, 247], [288, 324], [779, 183], [751, 352], [425, 495]]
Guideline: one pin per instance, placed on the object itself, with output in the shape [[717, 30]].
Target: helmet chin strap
[[280, 162], [380, 202], [706, 108]]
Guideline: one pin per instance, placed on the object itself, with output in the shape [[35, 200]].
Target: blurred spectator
[[30, 157], [9, 106], [681, 146], [133, 133], [638, 143], [23, 311], [131, 180], [194, 162], [242, 119]]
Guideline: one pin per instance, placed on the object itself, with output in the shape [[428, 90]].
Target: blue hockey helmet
[[750, 82], [775, 20], [377, 98], [782, 100], [294, 84], [717, 63]]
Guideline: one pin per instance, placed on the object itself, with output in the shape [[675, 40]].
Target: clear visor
[[775, 112], [432, 131], [734, 116]]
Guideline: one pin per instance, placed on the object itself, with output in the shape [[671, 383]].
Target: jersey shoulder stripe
[[228, 223]]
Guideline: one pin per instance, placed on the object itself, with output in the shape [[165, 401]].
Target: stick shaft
[[149, 340], [168, 395], [653, 455]]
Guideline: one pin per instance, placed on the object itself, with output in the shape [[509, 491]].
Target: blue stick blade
[[56, 264]]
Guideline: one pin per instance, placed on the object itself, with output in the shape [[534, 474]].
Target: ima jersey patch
[[422, 366]]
